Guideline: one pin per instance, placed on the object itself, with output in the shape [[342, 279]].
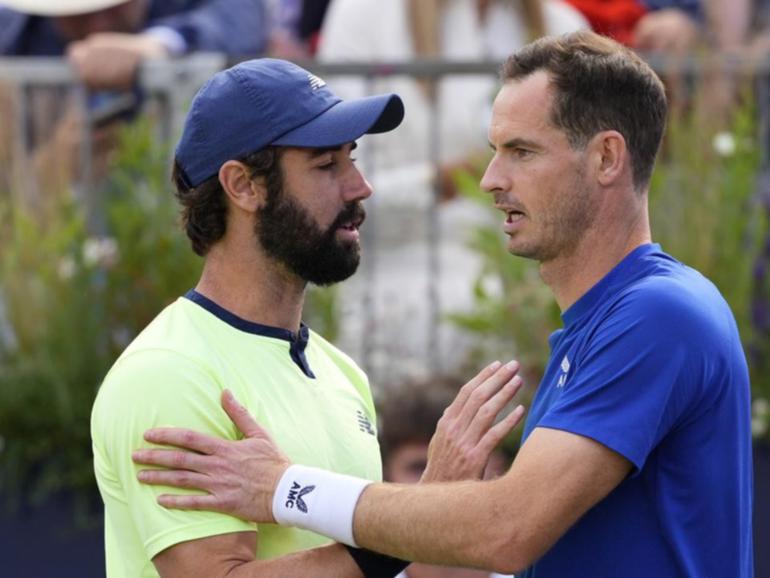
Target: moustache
[[352, 213]]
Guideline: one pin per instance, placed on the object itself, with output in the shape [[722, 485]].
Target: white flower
[[100, 251], [724, 144], [66, 268], [760, 419]]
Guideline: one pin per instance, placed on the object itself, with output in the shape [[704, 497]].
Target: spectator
[[311, 21], [295, 27], [402, 168], [408, 418], [654, 26], [107, 39]]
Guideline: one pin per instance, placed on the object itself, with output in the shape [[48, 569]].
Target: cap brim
[[59, 7], [347, 121]]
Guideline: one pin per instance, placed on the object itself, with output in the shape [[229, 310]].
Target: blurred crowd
[[413, 170], [105, 39]]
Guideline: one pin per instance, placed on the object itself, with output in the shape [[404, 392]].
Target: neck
[[599, 250], [250, 285]]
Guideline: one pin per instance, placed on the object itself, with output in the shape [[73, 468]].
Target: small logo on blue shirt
[[564, 371]]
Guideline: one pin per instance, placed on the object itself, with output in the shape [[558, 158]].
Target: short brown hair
[[411, 410], [204, 208], [599, 85]]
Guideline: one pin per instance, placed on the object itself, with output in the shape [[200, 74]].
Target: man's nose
[[357, 188], [495, 178]]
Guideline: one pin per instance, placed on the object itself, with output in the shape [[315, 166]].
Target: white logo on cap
[[315, 82]]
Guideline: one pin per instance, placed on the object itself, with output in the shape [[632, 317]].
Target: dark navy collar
[[298, 341]]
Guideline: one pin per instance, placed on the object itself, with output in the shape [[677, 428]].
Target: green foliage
[[73, 300], [703, 210], [321, 311]]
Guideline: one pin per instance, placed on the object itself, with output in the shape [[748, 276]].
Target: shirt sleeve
[[639, 375], [149, 389]]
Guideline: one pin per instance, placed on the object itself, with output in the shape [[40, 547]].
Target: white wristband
[[319, 501]]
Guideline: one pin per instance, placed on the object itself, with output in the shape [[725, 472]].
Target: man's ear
[[245, 192], [610, 152]]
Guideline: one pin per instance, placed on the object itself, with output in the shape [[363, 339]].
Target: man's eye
[[327, 166], [522, 153]]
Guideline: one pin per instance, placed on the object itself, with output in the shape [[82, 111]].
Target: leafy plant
[[72, 301]]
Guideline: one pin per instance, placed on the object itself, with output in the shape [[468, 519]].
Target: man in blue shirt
[[636, 459]]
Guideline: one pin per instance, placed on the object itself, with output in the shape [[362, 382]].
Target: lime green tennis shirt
[[312, 398]]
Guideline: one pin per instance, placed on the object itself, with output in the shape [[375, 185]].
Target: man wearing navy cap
[[272, 200]]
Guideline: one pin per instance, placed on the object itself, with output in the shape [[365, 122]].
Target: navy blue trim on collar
[[298, 342]]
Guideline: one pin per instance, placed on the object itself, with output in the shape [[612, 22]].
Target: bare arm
[[232, 555], [502, 525], [728, 22]]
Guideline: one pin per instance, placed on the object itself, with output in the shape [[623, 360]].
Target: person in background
[[296, 26], [651, 26], [106, 40], [408, 417]]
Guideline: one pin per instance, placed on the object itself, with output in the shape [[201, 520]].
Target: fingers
[[500, 430], [183, 438], [457, 405], [194, 502], [241, 416], [488, 412], [484, 391], [174, 478], [170, 459]]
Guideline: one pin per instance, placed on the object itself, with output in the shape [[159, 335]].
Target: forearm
[[233, 557], [469, 524], [332, 560]]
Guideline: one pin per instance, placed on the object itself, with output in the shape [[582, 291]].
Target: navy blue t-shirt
[[650, 364]]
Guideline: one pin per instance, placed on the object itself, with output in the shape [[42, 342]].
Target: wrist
[[317, 500]]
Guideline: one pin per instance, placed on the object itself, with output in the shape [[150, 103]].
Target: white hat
[[59, 7]]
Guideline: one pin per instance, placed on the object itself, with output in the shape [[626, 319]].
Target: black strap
[[375, 565]]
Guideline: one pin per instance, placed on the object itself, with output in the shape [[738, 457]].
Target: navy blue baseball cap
[[273, 102]]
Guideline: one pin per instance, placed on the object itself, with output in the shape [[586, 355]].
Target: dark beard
[[290, 235]]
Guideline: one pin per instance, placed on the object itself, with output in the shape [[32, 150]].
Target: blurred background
[[92, 99]]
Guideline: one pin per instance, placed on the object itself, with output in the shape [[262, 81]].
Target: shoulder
[[673, 296], [339, 358], [163, 374]]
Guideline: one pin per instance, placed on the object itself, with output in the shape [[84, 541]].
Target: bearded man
[[272, 200]]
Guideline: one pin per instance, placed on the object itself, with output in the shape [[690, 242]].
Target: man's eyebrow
[[517, 143], [317, 152]]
